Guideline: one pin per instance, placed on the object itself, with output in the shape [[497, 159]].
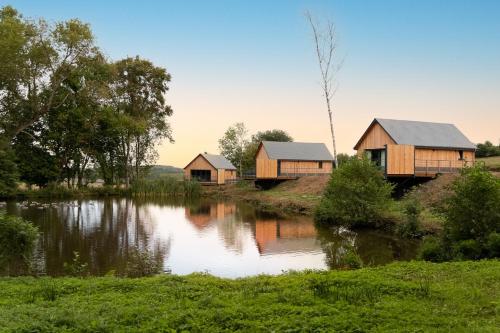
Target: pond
[[223, 238]]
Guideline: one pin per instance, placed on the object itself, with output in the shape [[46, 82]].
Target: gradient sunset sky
[[254, 62]]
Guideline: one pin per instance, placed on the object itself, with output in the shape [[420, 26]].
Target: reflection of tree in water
[[374, 248], [102, 232]]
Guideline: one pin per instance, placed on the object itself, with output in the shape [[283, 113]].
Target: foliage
[[76, 267], [250, 149], [410, 225], [342, 158], [233, 143], [432, 250], [357, 195], [142, 262], [166, 186], [400, 296], [8, 172], [472, 218], [17, 241], [487, 149], [473, 210], [66, 109]]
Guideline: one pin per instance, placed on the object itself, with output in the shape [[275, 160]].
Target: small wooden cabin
[[288, 160], [210, 169], [415, 148]]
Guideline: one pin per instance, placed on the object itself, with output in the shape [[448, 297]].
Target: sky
[[254, 62]]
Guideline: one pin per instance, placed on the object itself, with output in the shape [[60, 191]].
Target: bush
[[473, 210], [493, 245], [17, 241], [469, 249], [432, 249], [142, 262], [410, 225], [356, 195]]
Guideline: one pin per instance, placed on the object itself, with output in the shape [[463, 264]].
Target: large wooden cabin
[[289, 160], [210, 169], [404, 148]]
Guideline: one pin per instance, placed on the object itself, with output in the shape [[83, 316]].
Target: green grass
[[401, 297], [492, 163]]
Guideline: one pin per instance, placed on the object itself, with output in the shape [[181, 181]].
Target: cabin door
[[201, 175]]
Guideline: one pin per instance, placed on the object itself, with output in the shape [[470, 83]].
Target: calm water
[[223, 238]]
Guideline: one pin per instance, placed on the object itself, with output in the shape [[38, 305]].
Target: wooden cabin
[[289, 160], [210, 169], [414, 148]]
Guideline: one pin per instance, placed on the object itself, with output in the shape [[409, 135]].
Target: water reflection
[[223, 238]]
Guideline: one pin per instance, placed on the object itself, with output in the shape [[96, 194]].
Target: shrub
[[469, 249], [17, 241], [410, 225], [356, 195], [473, 210], [141, 262], [493, 245], [76, 267], [432, 249]]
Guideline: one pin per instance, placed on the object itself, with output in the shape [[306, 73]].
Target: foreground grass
[[416, 296]]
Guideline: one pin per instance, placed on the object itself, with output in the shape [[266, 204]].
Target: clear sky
[[253, 61]]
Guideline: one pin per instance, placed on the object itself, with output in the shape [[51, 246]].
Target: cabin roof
[[219, 161], [423, 134], [298, 151]]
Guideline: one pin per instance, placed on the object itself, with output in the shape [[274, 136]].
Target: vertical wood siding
[[400, 159], [375, 138], [200, 163]]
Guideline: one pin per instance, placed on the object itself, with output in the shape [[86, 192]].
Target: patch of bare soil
[[314, 185]]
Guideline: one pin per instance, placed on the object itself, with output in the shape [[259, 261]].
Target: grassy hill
[[492, 163], [159, 171], [401, 297]]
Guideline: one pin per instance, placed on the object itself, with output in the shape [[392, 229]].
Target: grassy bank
[[299, 196], [416, 296]]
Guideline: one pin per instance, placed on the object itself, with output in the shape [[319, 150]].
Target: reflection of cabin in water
[[279, 236], [210, 169], [414, 148], [289, 160], [203, 215]]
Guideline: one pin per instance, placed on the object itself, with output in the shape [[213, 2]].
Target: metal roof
[[298, 151], [425, 134], [219, 162]]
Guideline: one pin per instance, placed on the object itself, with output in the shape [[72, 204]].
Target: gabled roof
[[298, 151], [217, 161], [423, 134]]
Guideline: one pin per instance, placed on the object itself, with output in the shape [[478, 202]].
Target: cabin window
[[320, 164], [461, 154]]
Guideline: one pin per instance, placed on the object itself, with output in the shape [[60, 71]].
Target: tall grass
[[167, 186]]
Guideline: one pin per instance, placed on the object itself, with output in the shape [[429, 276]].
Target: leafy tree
[[473, 210], [356, 195], [232, 145], [472, 219], [138, 92], [8, 171], [35, 164], [38, 59], [252, 146], [487, 149]]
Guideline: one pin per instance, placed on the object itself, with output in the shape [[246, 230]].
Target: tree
[[138, 92], [233, 143], [357, 195], [325, 41], [252, 146], [487, 149], [8, 171], [38, 60]]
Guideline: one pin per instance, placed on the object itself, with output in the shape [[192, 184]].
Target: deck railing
[[300, 172], [432, 167]]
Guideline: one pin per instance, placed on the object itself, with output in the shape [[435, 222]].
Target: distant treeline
[[66, 111], [487, 149]]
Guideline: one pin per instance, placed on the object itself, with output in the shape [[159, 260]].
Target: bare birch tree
[[325, 42]]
